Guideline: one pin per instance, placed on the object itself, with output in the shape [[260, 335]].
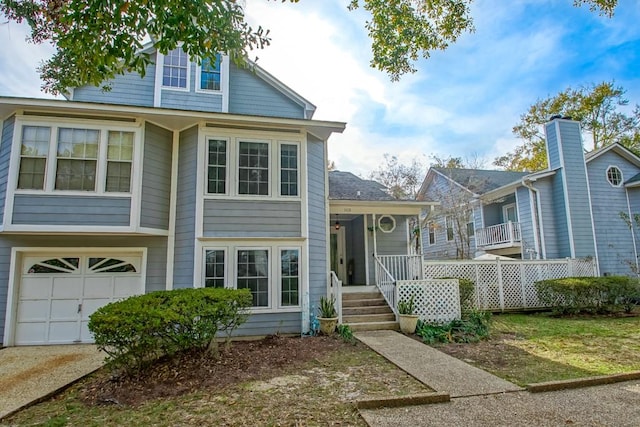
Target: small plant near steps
[[328, 317], [408, 320]]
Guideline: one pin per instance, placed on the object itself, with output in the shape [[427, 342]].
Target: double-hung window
[[289, 277], [175, 69], [214, 268], [210, 76], [33, 157], [288, 170], [431, 226], [448, 220], [75, 158], [216, 166], [253, 274], [253, 168]]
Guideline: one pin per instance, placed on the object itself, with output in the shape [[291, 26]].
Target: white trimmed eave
[[379, 207], [169, 118], [621, 150]]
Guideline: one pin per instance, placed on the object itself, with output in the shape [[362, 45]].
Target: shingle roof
[[345, 186], [479, 180], [633, 179]]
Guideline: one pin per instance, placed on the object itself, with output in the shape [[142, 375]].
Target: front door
[[338, 247]]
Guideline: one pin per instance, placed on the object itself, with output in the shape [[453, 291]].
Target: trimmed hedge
[[595, 295], [140, 329]]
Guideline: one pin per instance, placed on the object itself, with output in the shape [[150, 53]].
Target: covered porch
[[373, 244]]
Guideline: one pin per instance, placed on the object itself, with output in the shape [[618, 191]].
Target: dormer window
[[175, 70], [614, 176], [210, 75]]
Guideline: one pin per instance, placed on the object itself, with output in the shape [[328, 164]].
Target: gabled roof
[[347, 186], [621, 150], [480, 181]]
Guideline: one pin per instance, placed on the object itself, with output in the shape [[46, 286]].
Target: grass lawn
[[531, 348], [318, 391]]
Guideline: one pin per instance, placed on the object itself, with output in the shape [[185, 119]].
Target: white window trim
[[51, 159], [275, 278], [225, 249], [278, 172], [177, 89], [223, 59], [233, 164], [393, 220], [606, 176]]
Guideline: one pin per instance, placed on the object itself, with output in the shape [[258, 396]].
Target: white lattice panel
[[436, 300], [503, 285]]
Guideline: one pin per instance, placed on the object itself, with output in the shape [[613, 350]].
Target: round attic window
[[614, 176], [386, 223]]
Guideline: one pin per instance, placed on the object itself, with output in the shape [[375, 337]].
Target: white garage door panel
[[35, 287], [58, 294], [66, 287], [33, 310]]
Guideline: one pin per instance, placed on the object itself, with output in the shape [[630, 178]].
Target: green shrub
[[473, 327], [142, 328], [346, 333], [467, 289], [595, 295]]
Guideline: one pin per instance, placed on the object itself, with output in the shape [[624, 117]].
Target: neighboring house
[[190, 176], [571, 209]]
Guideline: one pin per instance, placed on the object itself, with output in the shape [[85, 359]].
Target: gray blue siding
[[395, 242], [71, 210], [272, 323], [156, 177], [127, 89], [548, 218], [5, 156], [317, 206], [613, 237], [186, 210], [241, 218], [156, 257], [249, 94], [526, 221]]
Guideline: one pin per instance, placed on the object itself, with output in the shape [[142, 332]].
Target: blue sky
[[462, 102]]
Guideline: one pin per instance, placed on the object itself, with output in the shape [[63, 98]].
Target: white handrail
[[386, 283], [508, 232], [335, 290], [403, 267]]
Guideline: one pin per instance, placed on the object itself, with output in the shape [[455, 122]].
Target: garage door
[[58, 294]]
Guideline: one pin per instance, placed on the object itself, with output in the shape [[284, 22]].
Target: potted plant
[[408, 320], [328, 317]]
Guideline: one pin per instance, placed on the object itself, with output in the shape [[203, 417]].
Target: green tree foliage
[[97, 40], [596, 107]]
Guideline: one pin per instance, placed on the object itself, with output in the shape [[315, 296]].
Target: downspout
[[534, 200]]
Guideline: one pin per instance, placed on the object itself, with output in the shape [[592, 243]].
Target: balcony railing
[[504, 235]]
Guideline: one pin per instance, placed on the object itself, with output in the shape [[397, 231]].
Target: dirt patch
[[201, 371], [495, 353], [48, 365]]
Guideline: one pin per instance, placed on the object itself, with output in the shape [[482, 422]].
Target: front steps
[[367, 311]]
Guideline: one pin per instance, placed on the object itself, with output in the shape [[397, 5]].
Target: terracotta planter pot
[[328, 324], [408, 323]]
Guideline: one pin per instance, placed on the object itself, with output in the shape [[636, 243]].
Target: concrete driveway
[[30, 373]]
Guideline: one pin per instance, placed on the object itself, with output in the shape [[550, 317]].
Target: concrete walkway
[[31, 373], [439, 371]]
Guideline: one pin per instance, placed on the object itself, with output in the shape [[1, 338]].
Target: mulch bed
[[201, 371]]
